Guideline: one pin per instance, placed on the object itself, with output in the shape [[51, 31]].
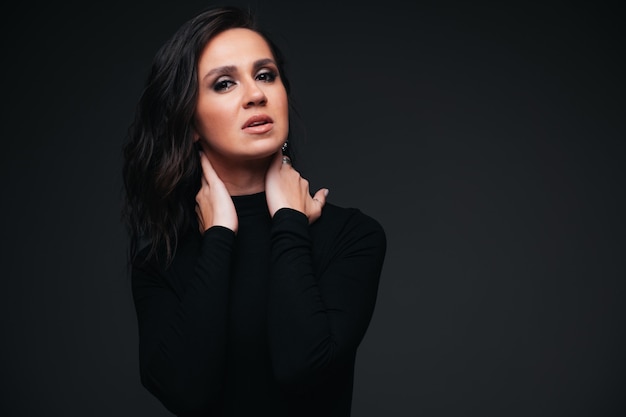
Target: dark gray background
[[487, 140]]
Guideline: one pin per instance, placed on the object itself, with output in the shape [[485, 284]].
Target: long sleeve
[[183, 328], [319, 311]]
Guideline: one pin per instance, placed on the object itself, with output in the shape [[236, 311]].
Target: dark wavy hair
[[162, 171]]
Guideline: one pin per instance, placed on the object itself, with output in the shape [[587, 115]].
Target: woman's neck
[[243, 178]]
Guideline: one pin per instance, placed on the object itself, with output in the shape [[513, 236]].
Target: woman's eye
[[223, 85], [266, 76]]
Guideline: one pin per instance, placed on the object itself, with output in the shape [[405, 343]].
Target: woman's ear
[[197, 143], [194, 132]]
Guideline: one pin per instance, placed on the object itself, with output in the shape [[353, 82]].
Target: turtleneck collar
[[250, 205]]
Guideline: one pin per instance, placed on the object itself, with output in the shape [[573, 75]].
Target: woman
[[252, 296]]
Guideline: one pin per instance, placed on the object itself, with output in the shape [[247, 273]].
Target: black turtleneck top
[[262, 323]]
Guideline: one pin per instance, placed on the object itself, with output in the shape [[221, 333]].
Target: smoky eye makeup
[[267, 75], [225, 76], [222, 84], [220, 78]]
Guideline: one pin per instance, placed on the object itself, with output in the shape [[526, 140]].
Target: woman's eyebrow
[[263, 62], [226, 69]]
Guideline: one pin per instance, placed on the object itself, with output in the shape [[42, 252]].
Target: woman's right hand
[[214, 206]]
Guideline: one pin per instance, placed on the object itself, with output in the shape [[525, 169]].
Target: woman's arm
[[318, 318], [183, 331], [182, 334]]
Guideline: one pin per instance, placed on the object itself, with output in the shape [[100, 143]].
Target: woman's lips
[[258, 124]]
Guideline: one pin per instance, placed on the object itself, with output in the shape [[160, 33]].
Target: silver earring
[[284, 147]]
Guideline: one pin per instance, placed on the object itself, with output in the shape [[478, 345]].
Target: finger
[[274, 163], [207, 168], [203, 178], [320, 196], [200, 220], [281, 160]]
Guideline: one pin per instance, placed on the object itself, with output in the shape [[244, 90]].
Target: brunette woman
[[252, 295]]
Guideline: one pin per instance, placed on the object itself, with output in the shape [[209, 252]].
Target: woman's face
[[242, 110]]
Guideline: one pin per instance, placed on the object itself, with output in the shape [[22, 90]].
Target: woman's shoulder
[[337, 222], [349, 215], [347, 233]]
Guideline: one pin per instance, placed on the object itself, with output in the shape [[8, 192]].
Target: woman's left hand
[[285, 188]]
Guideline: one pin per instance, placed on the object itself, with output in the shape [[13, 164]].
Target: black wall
[[488, 140]]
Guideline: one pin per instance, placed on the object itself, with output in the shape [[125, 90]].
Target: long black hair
[[162, 169]]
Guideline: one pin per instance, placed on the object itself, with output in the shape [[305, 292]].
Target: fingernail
[[326, 191]]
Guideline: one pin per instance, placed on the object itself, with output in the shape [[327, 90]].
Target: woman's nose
[[254, 95]]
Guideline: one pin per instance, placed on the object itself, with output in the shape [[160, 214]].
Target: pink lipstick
[[257, 124]]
